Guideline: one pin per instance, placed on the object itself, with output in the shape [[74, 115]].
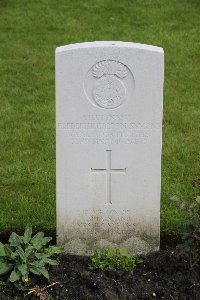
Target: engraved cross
[[108, 171]]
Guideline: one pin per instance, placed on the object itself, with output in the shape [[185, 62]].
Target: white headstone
[[109, 131]]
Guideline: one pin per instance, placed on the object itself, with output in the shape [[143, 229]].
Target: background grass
[[30, 30]]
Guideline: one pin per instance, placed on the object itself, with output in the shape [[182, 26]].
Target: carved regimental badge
[[106, 84]]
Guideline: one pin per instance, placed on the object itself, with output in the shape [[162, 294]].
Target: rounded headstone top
[[99, 44]]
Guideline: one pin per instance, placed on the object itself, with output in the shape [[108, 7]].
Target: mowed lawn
[[30, 30]]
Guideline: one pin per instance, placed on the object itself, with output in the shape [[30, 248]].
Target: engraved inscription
[[107, 126], [115, 218], [106, 84], [112, 129], [108, 171]]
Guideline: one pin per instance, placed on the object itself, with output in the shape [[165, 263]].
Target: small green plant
[[3, 284], [190, 233], [113, 259], [26, 254]]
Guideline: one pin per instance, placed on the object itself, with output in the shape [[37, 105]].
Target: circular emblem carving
[[109, 92], [106, 84]]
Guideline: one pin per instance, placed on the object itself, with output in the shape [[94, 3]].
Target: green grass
[[29, 32]]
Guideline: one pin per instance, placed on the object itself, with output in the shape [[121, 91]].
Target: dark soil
[[162, 275]]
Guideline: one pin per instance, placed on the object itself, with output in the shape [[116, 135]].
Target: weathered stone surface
[[109, 130]]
